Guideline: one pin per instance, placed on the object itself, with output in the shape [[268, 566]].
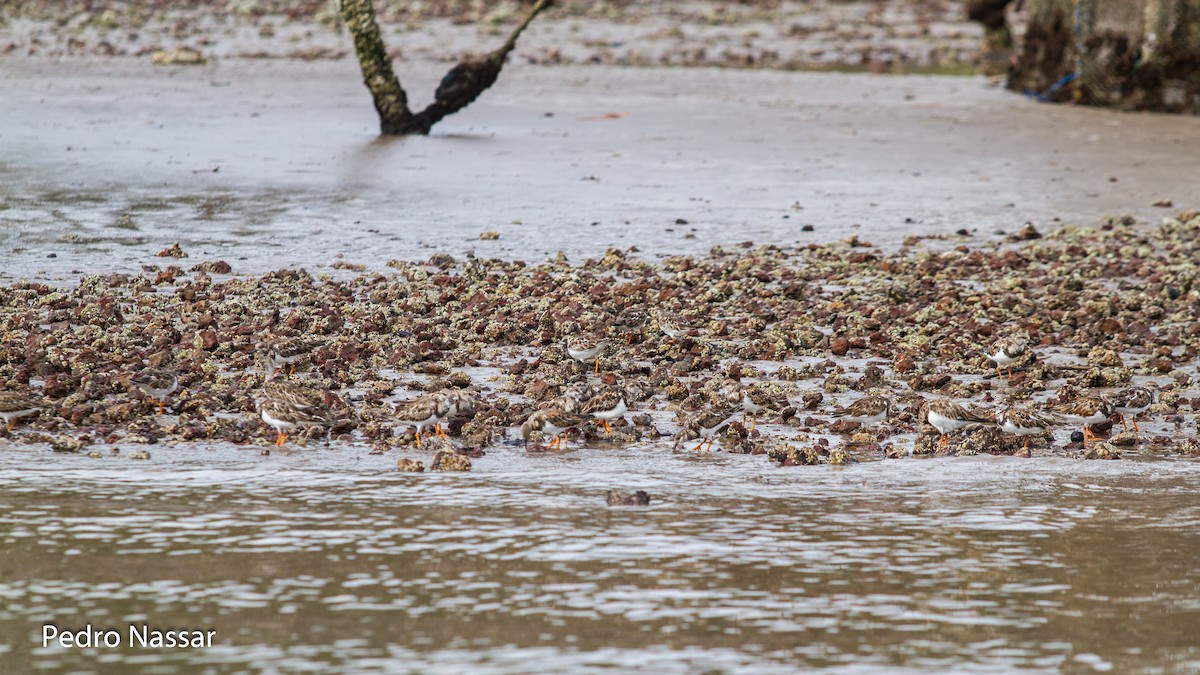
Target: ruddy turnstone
[[457, 402], [15, 405], [1023, 422], [572, 397], [293, 393], [424, 411], [287, 352], [157, 383], [553, 422], [1009, 351], [607, 405], [630, 321], [1133, 401], [708, 423], [947, 417], [671, 325], [584, 350], [867, 411], [283, 416], [755, 399], [1084, 411]]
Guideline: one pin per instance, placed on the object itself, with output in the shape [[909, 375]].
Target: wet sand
[[273, 163]]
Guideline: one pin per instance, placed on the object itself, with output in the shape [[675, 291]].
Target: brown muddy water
[[325, 558]]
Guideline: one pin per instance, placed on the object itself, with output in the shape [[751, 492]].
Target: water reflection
[[329, 559]]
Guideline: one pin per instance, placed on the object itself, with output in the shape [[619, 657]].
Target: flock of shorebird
[[286, 404]]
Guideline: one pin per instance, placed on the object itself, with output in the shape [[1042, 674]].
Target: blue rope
[[1045, 98]]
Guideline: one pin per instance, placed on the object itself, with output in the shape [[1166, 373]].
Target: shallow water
[[327, 557], [268, 163]]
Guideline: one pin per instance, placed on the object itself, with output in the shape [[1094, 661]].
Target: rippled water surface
[[327, 557]]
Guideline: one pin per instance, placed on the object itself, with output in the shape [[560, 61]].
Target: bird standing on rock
[[947, 417], [1009, 351], [1133, 401], [14, 406], [157, 383]]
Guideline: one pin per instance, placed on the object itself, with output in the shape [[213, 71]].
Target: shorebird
[[287, 352], [584, 350], [424, 411], [157, 383], [1133, 401], [607, 405], [554, 422], [947, 417], [630, 321], [1085, 412], [284, 416], [755, 399], [867, 411], [1023, 422], [14, 405], [1009, 351], [708, 423]]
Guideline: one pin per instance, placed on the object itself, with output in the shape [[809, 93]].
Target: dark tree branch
[[462, 85]]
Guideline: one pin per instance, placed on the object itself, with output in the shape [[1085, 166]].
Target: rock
[[139, 453], [410, 465], [489, 235], [1125, 439], [840, 456], [449, 461], [1027, 233], [213, 267], [981, 441], [809, 400], [95, 454], [839, 346], [790, 455], [1163, 203], [172, 251], [636, 498], [1103, 357], [459, 379], [1101, 450], [65, 444], [183, 56]]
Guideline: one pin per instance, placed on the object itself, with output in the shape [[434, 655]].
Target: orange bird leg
[[629, 339], [10, 425], [942, 441], [1123, 424], [999, 374], [698, 445], [1026, 442], [1135, 426], [292, 371], [753, 422], [418, 438], [597, 365], [160, 406], [607, 426]]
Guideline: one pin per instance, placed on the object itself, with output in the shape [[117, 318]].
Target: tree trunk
[[390, 100], [461, 86], [1130, 54]]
